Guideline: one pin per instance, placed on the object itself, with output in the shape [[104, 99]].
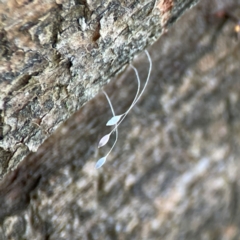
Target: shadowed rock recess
[[55, 56], [174, 173]]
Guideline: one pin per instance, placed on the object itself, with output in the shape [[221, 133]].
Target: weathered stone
[[56, 55], [174, 171]]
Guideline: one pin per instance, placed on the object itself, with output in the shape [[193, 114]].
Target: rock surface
[[56, 55], [174, 171]]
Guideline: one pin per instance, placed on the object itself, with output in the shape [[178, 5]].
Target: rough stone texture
[[174, 173], [56, 55]]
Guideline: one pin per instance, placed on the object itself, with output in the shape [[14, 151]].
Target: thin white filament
[[138, 97], [138, 89], [134, 100], [102, 160], [113, 113]]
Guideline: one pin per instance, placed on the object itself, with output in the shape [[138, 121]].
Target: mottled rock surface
[[174, 173], [56, 55]]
